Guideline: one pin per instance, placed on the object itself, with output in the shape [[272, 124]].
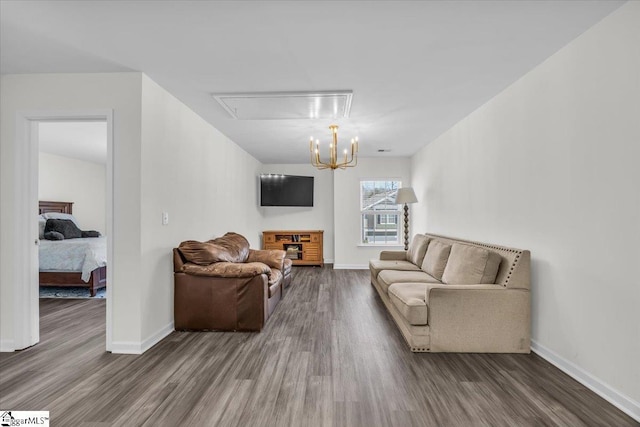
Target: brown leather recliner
[[223, 285]]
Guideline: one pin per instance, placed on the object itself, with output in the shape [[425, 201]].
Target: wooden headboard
[[61, 207]]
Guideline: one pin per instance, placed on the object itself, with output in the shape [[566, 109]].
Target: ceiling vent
[[334, 104]]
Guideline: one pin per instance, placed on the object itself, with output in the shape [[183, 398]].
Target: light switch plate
[[165, 218]]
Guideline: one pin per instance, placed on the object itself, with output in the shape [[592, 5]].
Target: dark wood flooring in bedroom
[[330, 355]]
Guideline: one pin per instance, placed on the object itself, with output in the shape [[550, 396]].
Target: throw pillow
[[91, 233], [65, 227], [53, 235], [471, 265], [436, 258], [417, 249]]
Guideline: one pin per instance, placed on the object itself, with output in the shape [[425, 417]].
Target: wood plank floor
[[329, 356]]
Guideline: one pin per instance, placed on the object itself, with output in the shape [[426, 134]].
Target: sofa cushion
[[274, 288], [228, 269], [436, 257], [274, 258], [409, 299], [471, 265], [286, 266], [388, 277], [231, 247], [417, 249], [275, 276], [377, 265], [200, 253], [235, 245]]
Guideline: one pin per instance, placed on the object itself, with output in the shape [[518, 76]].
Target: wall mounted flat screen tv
[[286, 190]]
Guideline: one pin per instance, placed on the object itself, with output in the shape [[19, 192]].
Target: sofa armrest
[[178, 260], [274, 258], [393, 255], [479, 318]]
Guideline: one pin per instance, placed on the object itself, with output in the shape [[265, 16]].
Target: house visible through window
[[380, 222]]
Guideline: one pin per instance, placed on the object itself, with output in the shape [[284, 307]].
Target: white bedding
[[73, 255]]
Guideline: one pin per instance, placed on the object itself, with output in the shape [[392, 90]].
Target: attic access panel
[[287, 105]]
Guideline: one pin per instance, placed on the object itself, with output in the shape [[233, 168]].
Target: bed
[[73, 262]]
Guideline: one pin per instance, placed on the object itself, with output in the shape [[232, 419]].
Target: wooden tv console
[[304, 247]]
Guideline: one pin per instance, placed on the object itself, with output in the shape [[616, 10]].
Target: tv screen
[[286, 190]]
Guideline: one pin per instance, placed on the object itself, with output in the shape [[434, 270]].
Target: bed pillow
[[60, 215], [66, 227], [53, 235], [42, 221]]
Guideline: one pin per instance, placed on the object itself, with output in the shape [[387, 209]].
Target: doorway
[[26, 285], [72, 157]]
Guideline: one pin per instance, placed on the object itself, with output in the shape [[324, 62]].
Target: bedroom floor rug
[[71, 292]]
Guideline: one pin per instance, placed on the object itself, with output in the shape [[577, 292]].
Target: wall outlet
[[165, 218]]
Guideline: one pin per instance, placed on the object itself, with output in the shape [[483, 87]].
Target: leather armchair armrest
[[393, 255], [178, 261], [220, 303]]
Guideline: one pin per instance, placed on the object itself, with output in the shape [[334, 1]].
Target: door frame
[[26, 283]]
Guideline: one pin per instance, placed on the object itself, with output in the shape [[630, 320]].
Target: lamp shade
[[406, 195]]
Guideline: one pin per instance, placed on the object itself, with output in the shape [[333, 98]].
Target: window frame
[[378, 213]]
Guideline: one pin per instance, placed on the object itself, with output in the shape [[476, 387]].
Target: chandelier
[[333, 153]]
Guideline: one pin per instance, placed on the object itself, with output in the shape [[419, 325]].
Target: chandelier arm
[[320, 162]]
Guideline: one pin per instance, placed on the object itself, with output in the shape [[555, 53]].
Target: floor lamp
[[406, 195]]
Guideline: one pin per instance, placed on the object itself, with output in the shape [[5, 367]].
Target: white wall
[[551, 165], [71, 180], [166, 159], [202, 179], [76, 93], [318, 217], [349, 253]]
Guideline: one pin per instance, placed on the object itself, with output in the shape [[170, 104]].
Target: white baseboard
[[617, 399], [328, 261], [133, 347], [157, 337], [7, 346], [126, 347], [350, 266]]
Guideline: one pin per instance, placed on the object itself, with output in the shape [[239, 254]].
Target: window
[[387, 219], [380, 216]]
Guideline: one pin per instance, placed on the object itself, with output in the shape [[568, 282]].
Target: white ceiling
[[415, 68], [84, 140]]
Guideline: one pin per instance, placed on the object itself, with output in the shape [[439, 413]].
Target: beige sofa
[[453, 295]]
